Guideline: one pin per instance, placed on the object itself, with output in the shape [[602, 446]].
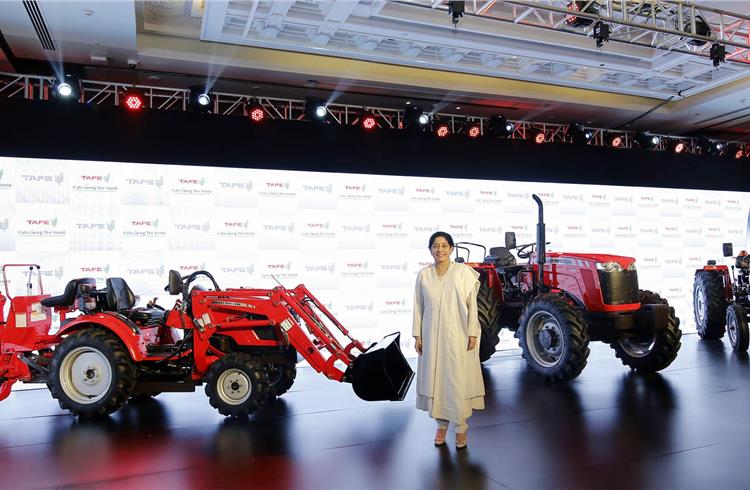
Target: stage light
[[368, 121], [456, 10], [67, 89], [581, 6], [718, 54], [133, 100], [601, 33], [256, 113], [540, 137], [315, 109], [615, 140], [474, 131], [500, 127], [735, 151], [646, 140], [442, 130], [200, 98], [414, 118], [577, 133], [709, 147], [678, 147]]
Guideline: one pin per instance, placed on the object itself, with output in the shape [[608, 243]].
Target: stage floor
[[686, 428]]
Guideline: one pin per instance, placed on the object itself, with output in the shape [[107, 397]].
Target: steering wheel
[[523, 253], [186, 286]]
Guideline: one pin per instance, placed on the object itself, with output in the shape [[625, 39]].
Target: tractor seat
[[68, 297], [121, 299], [501, 257]]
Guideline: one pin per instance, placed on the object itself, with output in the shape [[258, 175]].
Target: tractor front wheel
[[91, 373], [648, 353], [237, 385], [553, 337], [709, 305], [280, 378], [737, 329]]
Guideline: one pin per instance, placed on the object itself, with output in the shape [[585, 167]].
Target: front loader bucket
[[381, 372]]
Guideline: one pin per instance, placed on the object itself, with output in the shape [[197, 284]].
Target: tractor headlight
[[631, 267], [609, 266]]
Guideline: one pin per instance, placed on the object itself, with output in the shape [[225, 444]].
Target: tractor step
[[161, 348]]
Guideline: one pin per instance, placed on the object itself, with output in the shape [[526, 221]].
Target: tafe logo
[[191, 181], [96, 226], [155, 182], [248, 186], [95, 178], [42, 222], [145, 223], [57, 179], [88, 269]]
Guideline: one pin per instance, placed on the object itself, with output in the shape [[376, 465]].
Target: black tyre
[[554, 338], [236, 385], [91, 373], [280, 378], [489, 319], [737, 329], [654, 351], [145, 396], [709, 305]]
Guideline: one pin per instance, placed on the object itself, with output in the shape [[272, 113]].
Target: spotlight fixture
[[368, 121], [200, 98], [133, 100], [538, 136], [601, 33], [315, 109], [256, 112], [581, 6], [67, 89], [579, 134], [442, 130], [456, 10], [718, 54], [616, 141], [701, 28], [709, 147], [471, 129], [500, 127], [736, 151], [678, 147], [646, 140], [414, 118]]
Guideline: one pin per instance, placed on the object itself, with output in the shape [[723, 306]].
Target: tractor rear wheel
[[709, 305], [489, 319], [237, 385], [654, 351], [91, 373], [280, 378], [553, 337], [737, 329]]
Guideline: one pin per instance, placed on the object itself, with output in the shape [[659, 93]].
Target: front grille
[[619, 288]]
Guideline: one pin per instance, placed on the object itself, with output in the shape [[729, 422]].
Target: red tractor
[[241, 343], [557, 302], [722, 301]]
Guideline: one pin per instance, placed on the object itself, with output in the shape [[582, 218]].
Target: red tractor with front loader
[[557, 302], [721, 301], [243, 344]]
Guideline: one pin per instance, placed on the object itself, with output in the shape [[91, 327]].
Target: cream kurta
[[449, 378]]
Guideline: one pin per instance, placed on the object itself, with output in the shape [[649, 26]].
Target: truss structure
[[670, 25], [36, 87]]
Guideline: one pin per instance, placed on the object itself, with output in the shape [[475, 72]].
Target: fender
[[123, 328]]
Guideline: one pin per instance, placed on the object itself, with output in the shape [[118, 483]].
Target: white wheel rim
[[544, 338], [732, 329], [234, 387], [700, 301], [85, 375], [637, 349]]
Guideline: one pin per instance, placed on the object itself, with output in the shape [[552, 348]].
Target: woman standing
[[446, 328]]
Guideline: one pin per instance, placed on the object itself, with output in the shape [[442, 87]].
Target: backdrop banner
[[357, 241]]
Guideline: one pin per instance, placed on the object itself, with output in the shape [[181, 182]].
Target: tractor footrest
[[160, 348]]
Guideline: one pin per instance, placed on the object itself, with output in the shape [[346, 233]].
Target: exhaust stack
[[541, 239]]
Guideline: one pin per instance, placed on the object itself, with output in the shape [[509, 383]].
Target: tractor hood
[[623, 261]]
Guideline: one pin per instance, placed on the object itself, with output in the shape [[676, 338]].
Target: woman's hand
[[472, 343], [418, 345]]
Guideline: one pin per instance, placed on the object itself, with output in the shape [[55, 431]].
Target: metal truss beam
[[35, 87]]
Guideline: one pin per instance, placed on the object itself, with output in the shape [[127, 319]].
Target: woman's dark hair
[[443, 234]]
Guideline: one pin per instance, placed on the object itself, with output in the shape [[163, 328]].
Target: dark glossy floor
[[687, 428]]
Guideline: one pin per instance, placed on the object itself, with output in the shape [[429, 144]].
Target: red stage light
[[133, 101], [474, 132], [616, 142], [739, 154], [369, 122], [680, 148], [539, 138], [257, 114], [442, 131]]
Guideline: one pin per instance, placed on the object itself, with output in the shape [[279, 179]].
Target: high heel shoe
[[461, 441], [440, 437]]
